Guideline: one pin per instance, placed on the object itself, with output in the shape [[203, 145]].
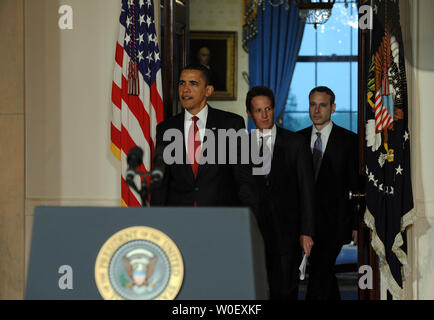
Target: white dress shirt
[[269, 141], [325, 134]]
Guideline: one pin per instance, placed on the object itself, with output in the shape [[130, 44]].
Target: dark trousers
[[323, 284], [283, 275]]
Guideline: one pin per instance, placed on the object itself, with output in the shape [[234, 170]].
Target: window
[[327, 57]]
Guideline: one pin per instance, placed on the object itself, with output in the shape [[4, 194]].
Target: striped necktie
[[317, 154], [194, 145]]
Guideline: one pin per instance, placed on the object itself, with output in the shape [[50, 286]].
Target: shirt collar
[[202, 115], [266, 132], [325, 131]]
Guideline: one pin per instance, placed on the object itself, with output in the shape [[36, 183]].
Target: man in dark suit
[[191, 181], [286, 215], [334, 153]]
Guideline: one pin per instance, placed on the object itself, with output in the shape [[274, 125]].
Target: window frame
[[353, 109]]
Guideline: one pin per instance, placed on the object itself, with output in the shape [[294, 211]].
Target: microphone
[[134, 159], [159, 167]]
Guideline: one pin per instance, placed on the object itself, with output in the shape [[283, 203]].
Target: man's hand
[[306, 243], [355, 237]]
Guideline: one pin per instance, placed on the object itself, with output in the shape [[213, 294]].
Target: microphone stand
[[144, 191]]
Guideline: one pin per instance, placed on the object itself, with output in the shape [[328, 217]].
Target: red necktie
[[194, 145]]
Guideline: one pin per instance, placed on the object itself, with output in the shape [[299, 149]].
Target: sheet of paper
[[302, 267]]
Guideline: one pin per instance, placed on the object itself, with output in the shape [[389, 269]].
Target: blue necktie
[[317, 154]]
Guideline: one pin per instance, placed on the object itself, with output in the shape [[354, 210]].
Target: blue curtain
[[273, 51]]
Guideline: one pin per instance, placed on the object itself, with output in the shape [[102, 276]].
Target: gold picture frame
[[222, 50]]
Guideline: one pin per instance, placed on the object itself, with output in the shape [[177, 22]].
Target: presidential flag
[[136, 89], [389, 197]]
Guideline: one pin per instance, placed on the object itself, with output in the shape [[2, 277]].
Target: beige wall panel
[[424, 275], [11, 249], [11, 55], [423, 96], [12, 179], [12, 157], [68, 100], [417, 24], [425, 169]]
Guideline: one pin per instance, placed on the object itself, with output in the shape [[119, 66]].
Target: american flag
[[136, 90]]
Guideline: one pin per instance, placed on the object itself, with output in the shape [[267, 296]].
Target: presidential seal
[[139, 263]]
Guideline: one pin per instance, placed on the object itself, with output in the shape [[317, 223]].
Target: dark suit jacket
[[287, 200], [336, 214], [216, 184]]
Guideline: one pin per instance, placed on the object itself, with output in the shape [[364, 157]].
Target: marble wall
[[12, 173]]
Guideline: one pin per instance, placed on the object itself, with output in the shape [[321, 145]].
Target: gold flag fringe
[[378, 246]]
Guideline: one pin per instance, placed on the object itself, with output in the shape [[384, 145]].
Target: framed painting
[[218, 52]]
